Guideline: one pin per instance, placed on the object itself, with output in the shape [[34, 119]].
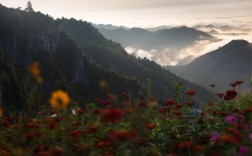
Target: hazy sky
[[146, 13]]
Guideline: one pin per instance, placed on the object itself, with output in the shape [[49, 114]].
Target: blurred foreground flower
[[230, 118], [191, 92], [34, 69], [112, 115], [122, 135], [243, 150], [1, 112], [230, 95], [59, 99]]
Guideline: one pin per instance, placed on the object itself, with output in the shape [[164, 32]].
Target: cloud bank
[[184, 56]]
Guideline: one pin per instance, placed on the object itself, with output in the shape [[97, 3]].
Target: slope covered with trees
[[114, 57], [27, 37]]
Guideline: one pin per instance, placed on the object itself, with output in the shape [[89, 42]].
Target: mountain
[[27, 37], [108, 26], [174, 38], [223, 66], [73, 56], [114, 57]]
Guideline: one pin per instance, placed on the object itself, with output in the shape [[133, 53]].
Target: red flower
[[220, 95], [189, 103], [91, 129], [149, 125], [122, 135], [52, 125], [103, 144], [142, 103], [215, 153], [238, 82], [29, 136], [230, 95], [161, 110], [233, 85], [170, 102], [199, 148], [80, 111], [75, 133], [229, 138], [31, 125], [129, 110], [112, 115], [191, 92], [178, 106], [57, 119], [185, 144], [177, 113]]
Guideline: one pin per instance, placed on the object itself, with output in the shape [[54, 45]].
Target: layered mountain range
[[173, 38], [72, 56]]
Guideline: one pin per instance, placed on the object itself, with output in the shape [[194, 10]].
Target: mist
[[180, 57]]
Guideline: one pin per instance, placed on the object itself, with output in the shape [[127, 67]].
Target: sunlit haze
[[146, 13]]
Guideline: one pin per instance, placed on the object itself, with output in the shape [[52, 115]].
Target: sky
[[146, 13]]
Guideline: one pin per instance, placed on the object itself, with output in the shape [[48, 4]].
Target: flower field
[[107, 128]]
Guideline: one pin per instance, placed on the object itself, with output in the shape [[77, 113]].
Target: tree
[[29, 7]]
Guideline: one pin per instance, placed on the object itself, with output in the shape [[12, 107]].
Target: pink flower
[[214, 137], [250, 136], [230, 118], [243, 150], [191, 92]]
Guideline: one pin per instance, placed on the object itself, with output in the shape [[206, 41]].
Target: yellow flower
[[1, 112], [34, 69], [59, 99]]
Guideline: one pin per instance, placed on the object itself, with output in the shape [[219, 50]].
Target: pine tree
[[29, 7]]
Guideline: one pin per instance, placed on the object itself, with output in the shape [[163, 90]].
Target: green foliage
[[28, 37], [17, 87]]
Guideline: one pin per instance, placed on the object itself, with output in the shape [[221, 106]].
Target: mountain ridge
[[223, 66], [147, 40]]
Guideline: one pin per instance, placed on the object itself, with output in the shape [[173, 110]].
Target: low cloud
[[171, 56], [179, 57]]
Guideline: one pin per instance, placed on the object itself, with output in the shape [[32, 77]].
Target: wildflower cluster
[[145, 127]]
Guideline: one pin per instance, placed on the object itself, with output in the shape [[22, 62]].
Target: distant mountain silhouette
[[112, 56], [174, 38], [108, 26], [223, 66]]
